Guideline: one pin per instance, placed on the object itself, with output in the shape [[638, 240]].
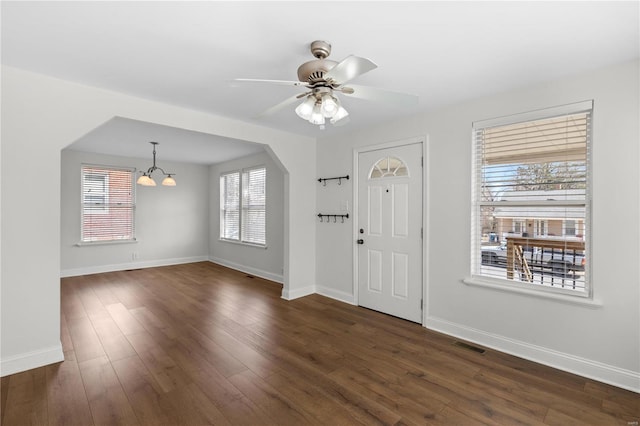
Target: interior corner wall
[[41, 116], [601, 342], [267, 262], [171, 223]]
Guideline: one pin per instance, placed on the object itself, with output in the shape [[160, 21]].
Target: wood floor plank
[[114, 343], [626, 405], [86, 343], [120, 285], [67, 401], [92, 305], [65, 336], [224, 362], [107, 400], [4, 392], [27, 396], [252, 359], [163, 368], [312, 401], [192, 407], [143, 392], [361, 408], [278, 408], [123, 318], [411, 407], [70, 304], [203, 344], [102, 289]]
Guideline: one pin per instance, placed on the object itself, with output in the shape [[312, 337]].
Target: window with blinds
[[230, 206], [531, 191], [243, 206], [108, 204]]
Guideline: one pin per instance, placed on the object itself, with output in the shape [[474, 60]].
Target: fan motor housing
[[314, 71]]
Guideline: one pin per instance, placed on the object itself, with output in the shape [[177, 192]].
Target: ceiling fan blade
[[380, 95], [349, 68], [277, 82], [278, 107]]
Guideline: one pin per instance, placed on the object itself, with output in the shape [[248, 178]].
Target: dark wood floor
[[201, 344]]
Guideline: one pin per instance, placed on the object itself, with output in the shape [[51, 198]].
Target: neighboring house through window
[[531, 191], [243, 206], [108, 204]]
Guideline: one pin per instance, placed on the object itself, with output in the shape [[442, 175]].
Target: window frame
[[477, 278], [241, 207], [105, 194]]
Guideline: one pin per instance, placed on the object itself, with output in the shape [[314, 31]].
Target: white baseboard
[[297, 293], [601, 372], [74, 272], [27, 361], [336, 294], [248, 270]]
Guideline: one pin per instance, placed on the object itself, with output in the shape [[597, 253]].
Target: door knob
[[360, 241]]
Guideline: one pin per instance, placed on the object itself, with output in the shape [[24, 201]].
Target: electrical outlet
[[134, 255]]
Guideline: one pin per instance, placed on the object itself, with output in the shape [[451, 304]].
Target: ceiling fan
[[323, 78]]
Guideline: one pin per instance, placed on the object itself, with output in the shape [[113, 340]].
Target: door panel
[[375, 271], [390, 214], [400, 274], [400, 210], [375, 211]]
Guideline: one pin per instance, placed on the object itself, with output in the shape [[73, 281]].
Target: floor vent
[[470, 347]]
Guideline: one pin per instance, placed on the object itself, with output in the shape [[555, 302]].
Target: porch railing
[[554, 261]]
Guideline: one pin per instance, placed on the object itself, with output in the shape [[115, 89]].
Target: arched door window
[[388, 167]]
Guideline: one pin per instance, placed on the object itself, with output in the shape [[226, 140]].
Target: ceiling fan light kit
[[322, 77], [320, 105], [147, 180]]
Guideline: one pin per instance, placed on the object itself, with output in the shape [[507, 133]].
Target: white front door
[[390, 231]]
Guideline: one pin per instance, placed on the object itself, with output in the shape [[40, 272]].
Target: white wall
[[43, 115], [600, 340], [263, 262], [172, 223]]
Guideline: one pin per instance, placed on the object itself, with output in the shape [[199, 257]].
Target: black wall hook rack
[[335, 217], [339, 179]]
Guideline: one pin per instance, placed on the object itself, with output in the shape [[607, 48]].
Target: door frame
[[425, 197]]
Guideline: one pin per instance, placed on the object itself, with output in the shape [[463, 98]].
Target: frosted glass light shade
[[316, 116], [305, 109], [340, 114], [329, 106], [169, 181], [145, 180]]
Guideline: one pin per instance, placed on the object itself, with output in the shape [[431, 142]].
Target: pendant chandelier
[[147, 180]]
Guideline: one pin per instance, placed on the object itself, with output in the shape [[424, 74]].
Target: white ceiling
[[126, 137], [187, 53]]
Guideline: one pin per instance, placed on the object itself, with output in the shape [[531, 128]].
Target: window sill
[[240, 243], [539, 293], [104, 243]]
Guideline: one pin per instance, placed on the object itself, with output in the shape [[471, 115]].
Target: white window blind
[[243, 206], [531, 181], [230, 206], [254, 205], [108, 204]]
